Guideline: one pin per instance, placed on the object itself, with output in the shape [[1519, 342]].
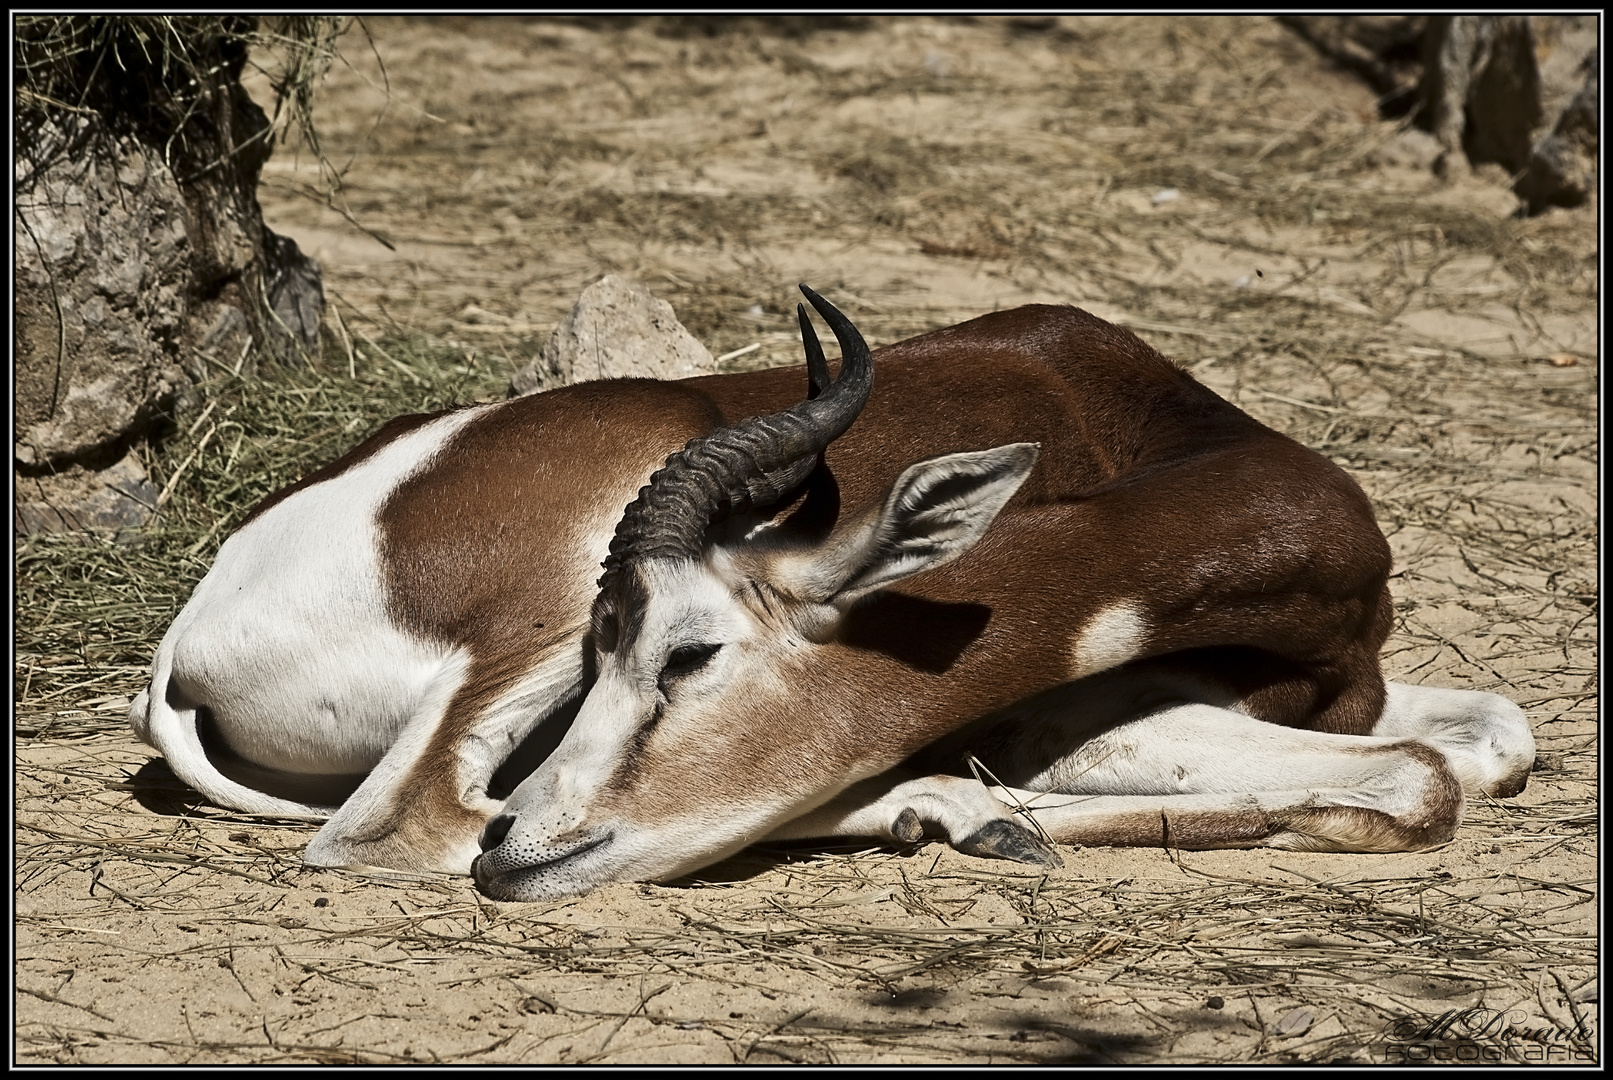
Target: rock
[[616, 330], [140, 252], [78, 498]]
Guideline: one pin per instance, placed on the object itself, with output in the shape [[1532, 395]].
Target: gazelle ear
[[936, 511]]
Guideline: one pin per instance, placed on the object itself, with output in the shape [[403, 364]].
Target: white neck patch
[[1110, 638]]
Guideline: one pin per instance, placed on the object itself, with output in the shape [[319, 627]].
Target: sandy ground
[[917, 172]]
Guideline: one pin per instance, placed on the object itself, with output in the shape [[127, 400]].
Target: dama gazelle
[[1172, 627]]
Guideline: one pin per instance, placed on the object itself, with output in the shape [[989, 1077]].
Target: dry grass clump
[[154, 73]]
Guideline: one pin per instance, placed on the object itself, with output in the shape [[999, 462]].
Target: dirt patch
[[1208, 182]]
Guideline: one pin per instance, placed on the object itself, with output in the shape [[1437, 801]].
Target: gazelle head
[[721, 708]]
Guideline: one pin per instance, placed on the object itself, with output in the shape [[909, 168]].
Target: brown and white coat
[[1155, 619]]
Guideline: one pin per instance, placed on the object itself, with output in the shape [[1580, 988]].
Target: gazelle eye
[[687, 659]]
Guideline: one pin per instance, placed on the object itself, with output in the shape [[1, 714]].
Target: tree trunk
[[142, 260], [1515, 91]]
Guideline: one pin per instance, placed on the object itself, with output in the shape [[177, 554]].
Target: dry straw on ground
[[917, 172]]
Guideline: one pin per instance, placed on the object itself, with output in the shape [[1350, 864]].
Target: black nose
[[495, 832]]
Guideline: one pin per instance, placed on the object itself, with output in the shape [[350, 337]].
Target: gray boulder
[[1561, 170], [77, 498], [617, 329], [102, 264], [120, 310]]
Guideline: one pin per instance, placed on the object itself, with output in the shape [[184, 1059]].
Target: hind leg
[[1485, 737]]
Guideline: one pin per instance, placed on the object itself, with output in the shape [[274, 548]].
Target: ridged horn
[[817, 366], [749, 464]]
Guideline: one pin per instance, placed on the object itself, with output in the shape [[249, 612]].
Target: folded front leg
[[425, 805], [1200, 777]]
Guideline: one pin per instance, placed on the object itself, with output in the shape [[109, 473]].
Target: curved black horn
[[751, 463], [817, 366]]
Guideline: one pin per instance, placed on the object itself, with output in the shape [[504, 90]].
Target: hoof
[[1004, 839], [1507, 787], [908, 829]]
